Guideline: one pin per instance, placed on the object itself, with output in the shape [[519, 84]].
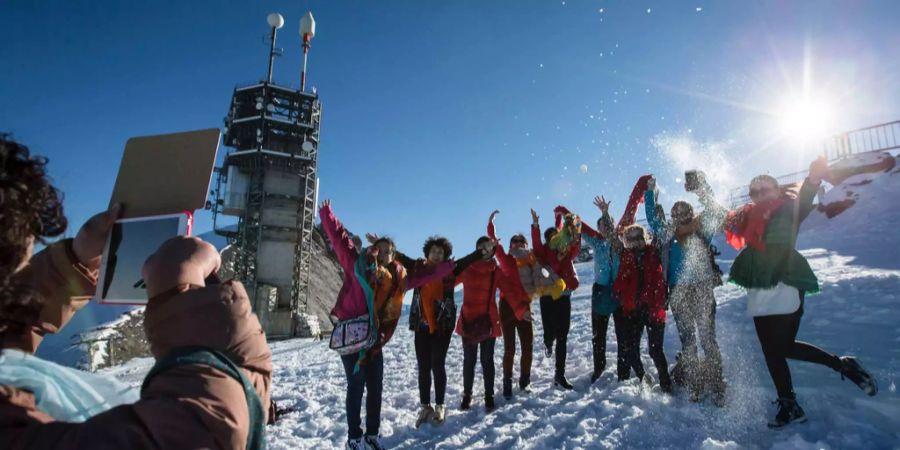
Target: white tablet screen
[[131, 243]]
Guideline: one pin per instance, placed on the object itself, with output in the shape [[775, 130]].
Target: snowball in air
[[583, 168]]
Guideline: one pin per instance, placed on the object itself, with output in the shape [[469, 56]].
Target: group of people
[[211, 382], [639, 275]]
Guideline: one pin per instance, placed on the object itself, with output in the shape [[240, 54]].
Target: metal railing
[[877, 138]]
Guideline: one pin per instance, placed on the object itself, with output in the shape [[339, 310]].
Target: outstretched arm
[[536, 240], [633, 201], [339, 237]]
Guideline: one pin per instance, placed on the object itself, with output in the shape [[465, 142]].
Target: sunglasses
[[518, 241], [759, 191]]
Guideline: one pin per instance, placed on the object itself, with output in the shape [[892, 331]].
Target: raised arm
[[537, 243], [340, 239], [462, 264], [423, 274], [817, 171], [634, 200], [657, 226]]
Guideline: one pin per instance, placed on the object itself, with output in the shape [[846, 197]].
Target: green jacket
[[781, 262]]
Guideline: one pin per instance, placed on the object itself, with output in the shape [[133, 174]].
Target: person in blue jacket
[[691, 275]]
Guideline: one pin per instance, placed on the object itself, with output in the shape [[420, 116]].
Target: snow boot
[[548, 350], [507, 388], [523, 384], [852, 369], [373, 443], [466, 402], [489, 403], [355, 444], [561, 382], [439, 414], [426, 414], [788, 412]]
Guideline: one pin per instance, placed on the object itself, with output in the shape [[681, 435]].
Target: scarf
[[747, 225], [66, 394]]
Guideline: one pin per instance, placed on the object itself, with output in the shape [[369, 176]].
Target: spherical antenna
[[275, 20]]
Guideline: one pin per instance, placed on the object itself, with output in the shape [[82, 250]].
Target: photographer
[[183, 404]]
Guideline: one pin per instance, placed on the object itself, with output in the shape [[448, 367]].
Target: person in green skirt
[[777, 278]]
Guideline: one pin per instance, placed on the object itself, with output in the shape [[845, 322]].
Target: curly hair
[[441, 242], [30, 208]]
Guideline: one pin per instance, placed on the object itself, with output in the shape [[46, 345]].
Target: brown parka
[[194, 406]]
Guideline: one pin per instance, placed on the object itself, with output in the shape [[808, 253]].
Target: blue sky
[[436, 113]]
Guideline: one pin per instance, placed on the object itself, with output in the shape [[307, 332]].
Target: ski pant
[[694, 309], [512, 326], [370, 377], [634, 324], [599, 327], [556, 316], [431, 355], [777, 336], [484, 351]]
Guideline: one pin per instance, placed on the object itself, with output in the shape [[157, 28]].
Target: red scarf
[[747, 225]]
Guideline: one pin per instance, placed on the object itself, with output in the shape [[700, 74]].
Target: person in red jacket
[[641, 288], [556, 312], [519, 272], [479, 322]]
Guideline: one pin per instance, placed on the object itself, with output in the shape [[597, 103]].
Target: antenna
[[307, 31], [275, 21]]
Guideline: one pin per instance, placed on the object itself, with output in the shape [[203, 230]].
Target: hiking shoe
[[373, 443], [466, 402], [489, 403], [426, 414], [355, 444], [788, 412], [852, 369], [562, 382], [439, 414], [507, 388]]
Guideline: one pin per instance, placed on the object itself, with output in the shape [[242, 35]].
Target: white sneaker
[[373, 443], [426, 414], [439, 414], [355, 444]]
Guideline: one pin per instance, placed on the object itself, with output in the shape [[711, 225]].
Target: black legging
[[778, 338], [556, 316], [634, 324], [470, 354], [431, 354]]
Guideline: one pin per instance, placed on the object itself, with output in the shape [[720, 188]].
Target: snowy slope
[[857, 313]]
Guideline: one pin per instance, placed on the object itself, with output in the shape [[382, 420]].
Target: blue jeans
[[371, 378]]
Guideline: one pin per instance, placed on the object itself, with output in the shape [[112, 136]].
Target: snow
[[856, 313]]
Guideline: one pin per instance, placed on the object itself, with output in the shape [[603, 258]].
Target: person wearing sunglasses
[[520, 275], [640, 286], [778, 278], [561, 245], [692, 274]]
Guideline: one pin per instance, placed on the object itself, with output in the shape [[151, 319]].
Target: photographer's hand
[[180, 261], [91, 238]]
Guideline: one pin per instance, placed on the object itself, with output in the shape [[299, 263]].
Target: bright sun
[[804, 118]]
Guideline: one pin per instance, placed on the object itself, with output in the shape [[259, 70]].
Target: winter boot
[[355, 444], [665, 383], [466, 402], [561, 382], [852, 369], [548, 350], [523, 384], [439, 414], [373, 443], [507, 388], [788, 412], [489, 403], [426, 414]]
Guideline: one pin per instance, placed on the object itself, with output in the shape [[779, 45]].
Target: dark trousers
[[694, 309], [431, 355], [599, 325], [512, 326], [556, 316], [371, 378], [634, 324], [778, 338], [483, 350]]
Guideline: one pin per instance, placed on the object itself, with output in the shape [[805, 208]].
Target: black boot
[[548, 349], [507, 388], [595, 376], [489, 403], [466, 402], [852, 369], [561, 381], [788, 412]]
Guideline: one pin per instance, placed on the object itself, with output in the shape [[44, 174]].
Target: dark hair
[[386, 240], [482, 240], [765, 178], [517, 236], [682, 205], [549, 232], [605, 221], [29, 207], [441, 242]]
